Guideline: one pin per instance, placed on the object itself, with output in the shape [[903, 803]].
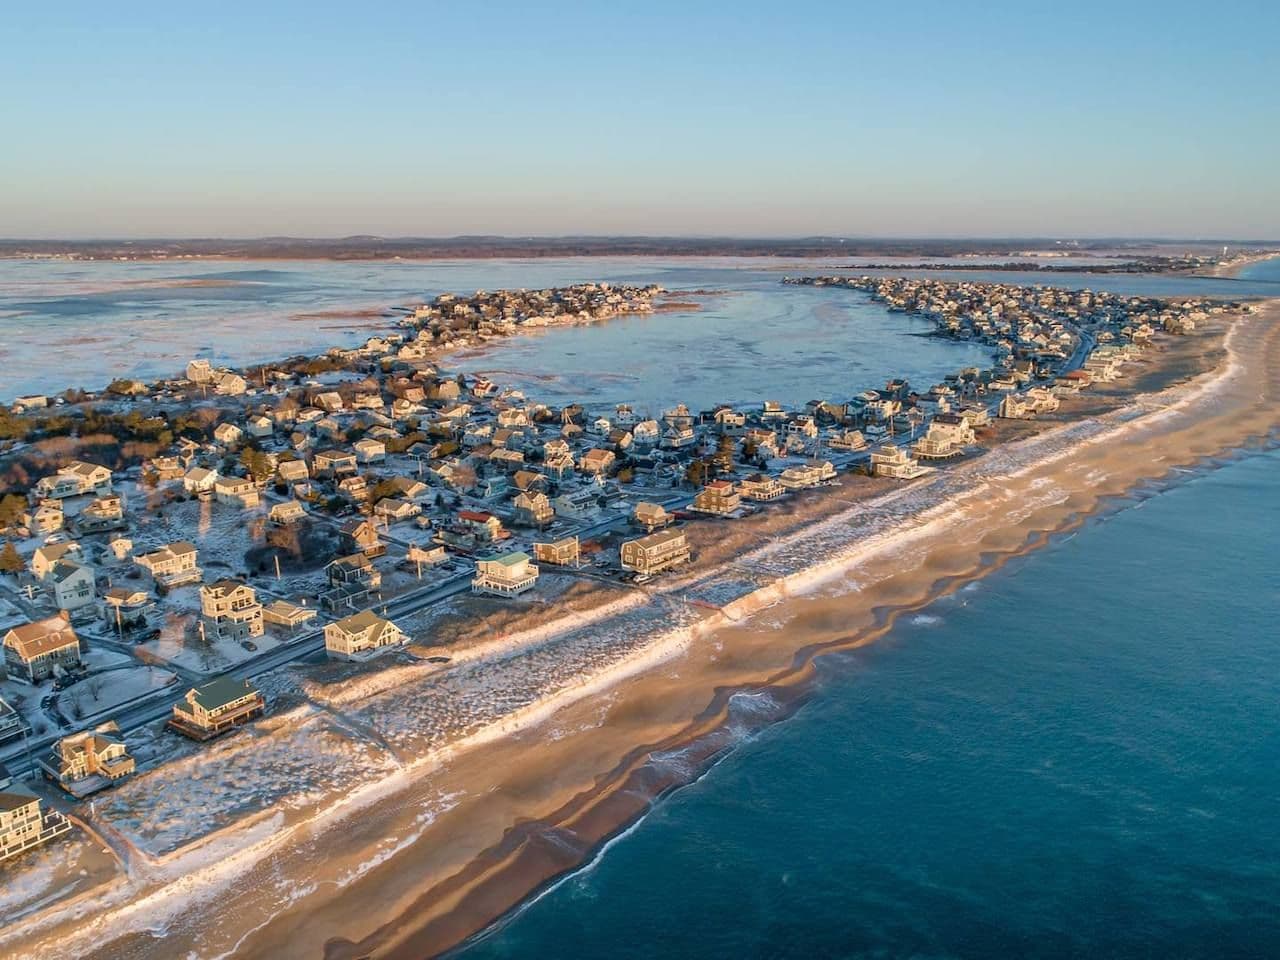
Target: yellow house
[[360, 635]]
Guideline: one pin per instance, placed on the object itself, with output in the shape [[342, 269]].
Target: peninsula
[[347, 650]]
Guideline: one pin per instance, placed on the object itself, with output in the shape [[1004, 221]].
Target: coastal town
[[169, 547]]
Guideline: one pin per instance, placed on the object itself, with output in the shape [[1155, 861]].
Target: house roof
[[366, 621], [220, 692], [509, 559], [41, 637]]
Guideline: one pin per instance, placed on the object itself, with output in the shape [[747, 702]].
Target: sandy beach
[[446, 835], [1236, 266]]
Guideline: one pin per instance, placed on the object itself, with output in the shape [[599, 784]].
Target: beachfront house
[[216, 707], [85, 762], [360, 636], [24, 822], [561, 553], [656, 552], [505, 575], [650, 516], [895, 462], [948, 436], [761, 488], [719, 498]]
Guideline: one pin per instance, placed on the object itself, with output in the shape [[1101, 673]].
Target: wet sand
[[444, 851]]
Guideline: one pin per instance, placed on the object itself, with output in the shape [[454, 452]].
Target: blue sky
[[430, 119]]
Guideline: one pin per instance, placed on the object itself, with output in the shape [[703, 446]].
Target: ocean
[[1076, 756]]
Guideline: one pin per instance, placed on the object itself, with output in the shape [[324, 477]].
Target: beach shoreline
[[508, 835]]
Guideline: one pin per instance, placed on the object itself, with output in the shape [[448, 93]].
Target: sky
[[744, 119]]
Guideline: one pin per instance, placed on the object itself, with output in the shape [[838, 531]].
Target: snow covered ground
[[104, 691]]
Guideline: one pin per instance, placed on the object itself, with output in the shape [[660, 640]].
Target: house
[[562, 553], [895, 462], [229, 384], [36, 651], [533, 510], [527, 481], [331, 463], [11, 724], [356, 487], [329, 402], [126, 608], [801, 476], [761, 488], [24, 823], [361, 536], [75, 479], [1015, 406], [360, 635], [47, 517], [656, 552], [646, 433], [199, 480], [172, 565], [493, 488], [577, 504], [597, 462], [282, 613], [227, 434], [47, 557], [370, 451], [394, 509], [293, 471], [103, 514], [718, 498], [848, 440], [650, 516], [352, 580], [290, 511], [229, 610], [89, 761], [236, 492], [408, 488], [216, 707], [484, 526], [431, 556], [165, 468], [508, 574], [71, 584], [507, 459], [260, 427], [948, 436]]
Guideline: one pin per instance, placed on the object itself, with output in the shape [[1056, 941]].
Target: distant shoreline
[[380, 249]]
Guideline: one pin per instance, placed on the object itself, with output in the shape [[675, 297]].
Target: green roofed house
[[505, 575], [216, 707]]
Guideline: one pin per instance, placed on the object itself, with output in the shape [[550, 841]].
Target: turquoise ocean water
[[1077, 756]]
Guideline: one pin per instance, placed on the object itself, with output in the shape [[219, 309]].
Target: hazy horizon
[[818, 120]]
